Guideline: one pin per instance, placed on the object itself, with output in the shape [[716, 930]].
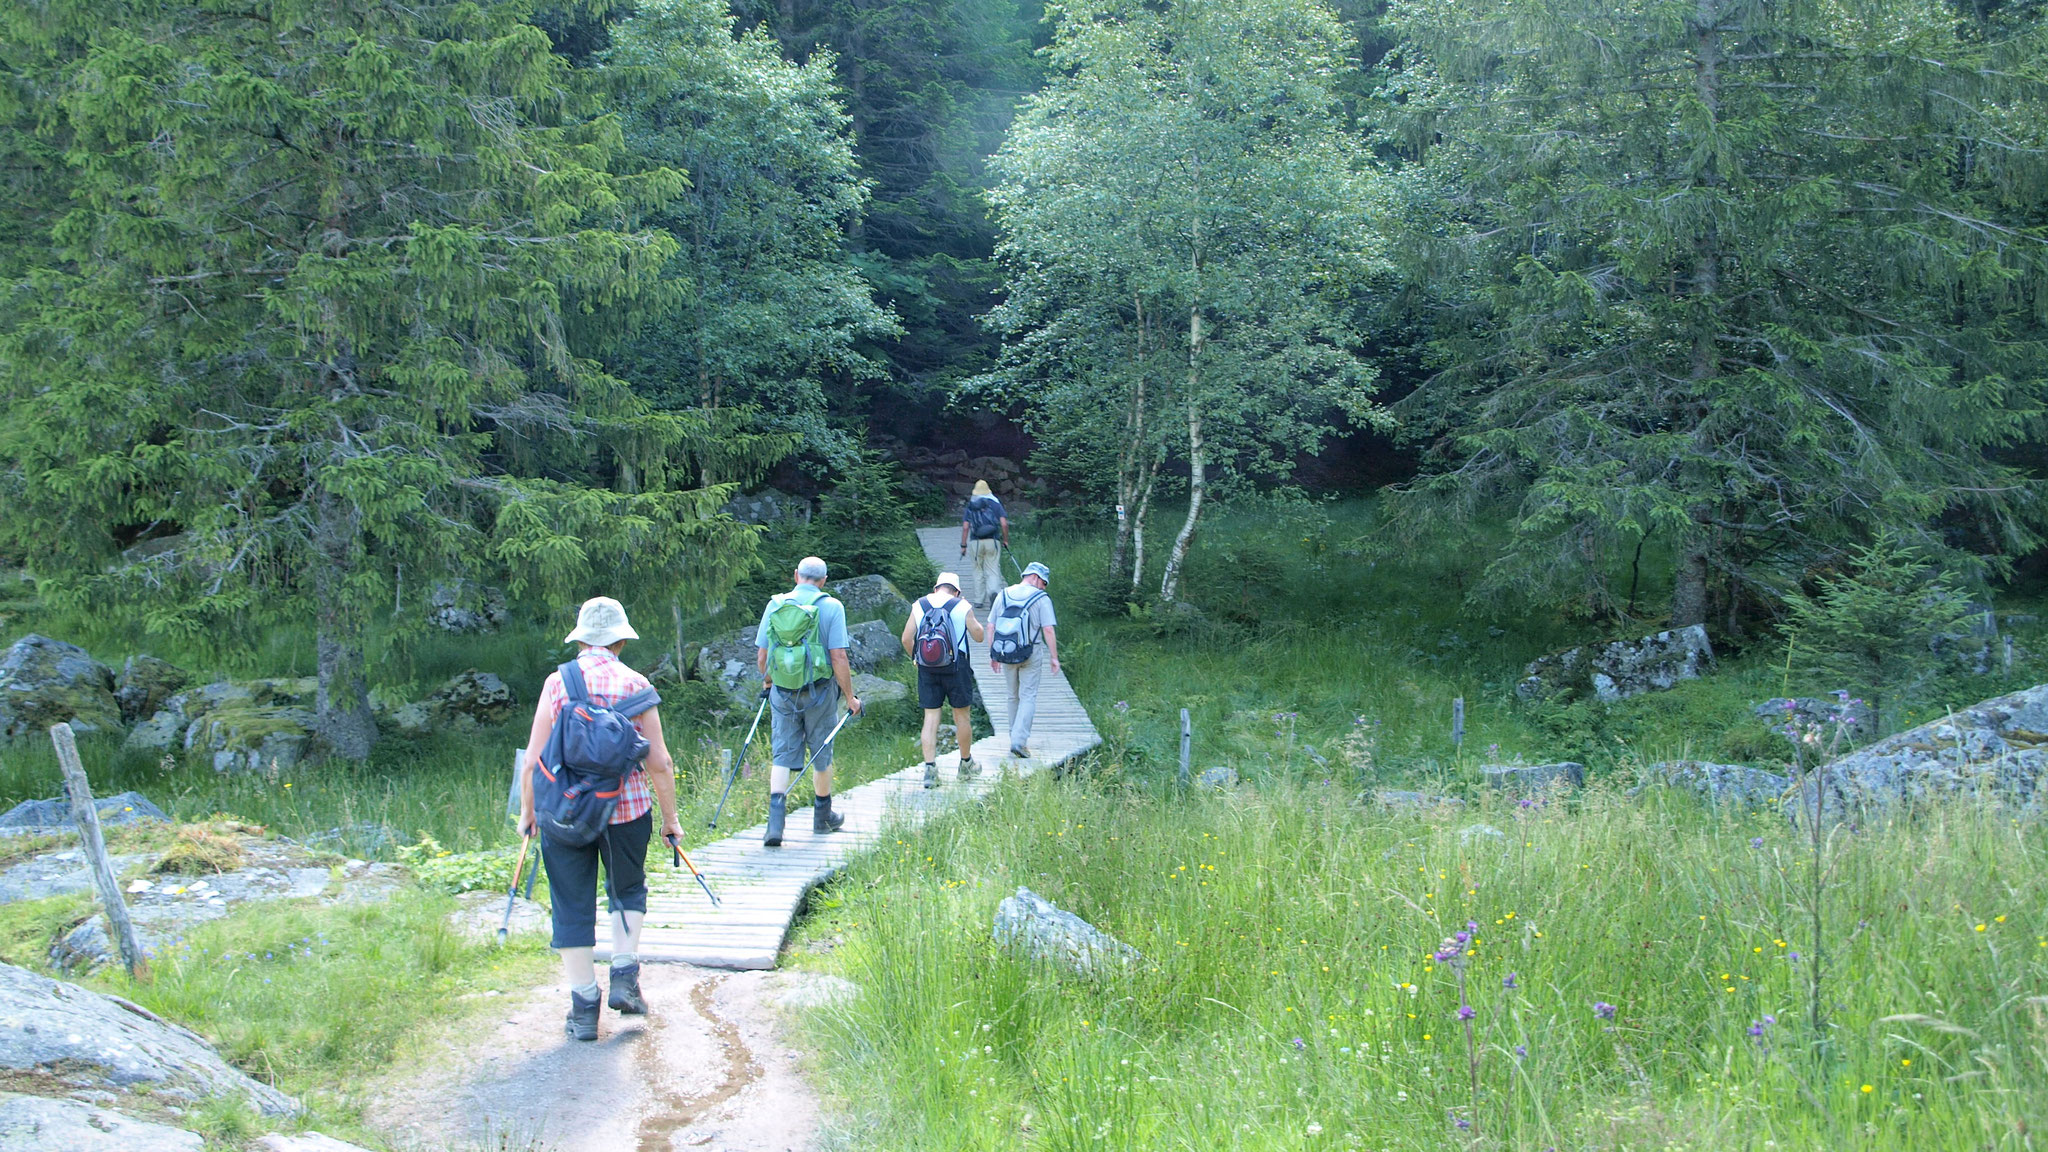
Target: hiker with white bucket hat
[[936, 636], [594, 768]]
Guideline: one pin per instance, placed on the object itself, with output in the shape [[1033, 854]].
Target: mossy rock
[[252, 737], [45, 682], [145, 684]]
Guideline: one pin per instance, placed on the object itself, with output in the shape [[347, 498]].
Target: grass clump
[[27, 927], [1636, 974], [200, 850]]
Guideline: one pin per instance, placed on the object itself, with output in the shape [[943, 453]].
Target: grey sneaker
[[625, 992], [968, 768], [931, 774], [1021, 753], [582, 1021]]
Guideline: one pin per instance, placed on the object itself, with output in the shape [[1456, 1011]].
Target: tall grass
[[1288, 997]]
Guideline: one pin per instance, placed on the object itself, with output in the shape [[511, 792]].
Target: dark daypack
[[984, 517], [1012, 638], [932, 645], [577, 783]]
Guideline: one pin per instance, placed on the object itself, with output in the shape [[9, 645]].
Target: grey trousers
[[986, 557], [1023, 680]]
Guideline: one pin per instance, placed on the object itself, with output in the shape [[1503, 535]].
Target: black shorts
[[938, 686], [572, 879]]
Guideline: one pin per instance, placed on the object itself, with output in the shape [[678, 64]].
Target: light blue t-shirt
[[831, 617]]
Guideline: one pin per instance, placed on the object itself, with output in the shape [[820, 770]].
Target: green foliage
[[1749, 279], [438, 868], [1887, 624], [318, 302], [1187, 231], [1306, 994], [767, 304], [29, 927]]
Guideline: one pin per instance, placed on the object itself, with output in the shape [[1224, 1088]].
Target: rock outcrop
[[242, 725], [472, 698], [1822, 714], [45, 682], [767, 506], [54, 815], [71, 1038], [1528, 778], [1720, 784], [1619, 669], [463, 606], [873, 644], [729, 663], [145, 684], [871, 596], [1031, 924], [1995, 751], [41, 1124]]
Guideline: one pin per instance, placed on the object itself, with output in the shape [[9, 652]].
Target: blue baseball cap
[[1039, 570]]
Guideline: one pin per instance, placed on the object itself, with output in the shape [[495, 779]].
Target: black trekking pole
[[739, 757], [676, 846], [512, 893], [829, 737]]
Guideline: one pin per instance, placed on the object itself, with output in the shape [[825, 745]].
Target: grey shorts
[[802, 719]]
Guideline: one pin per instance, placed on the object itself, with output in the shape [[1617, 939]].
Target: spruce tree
[[1751, 280], [319, 303]]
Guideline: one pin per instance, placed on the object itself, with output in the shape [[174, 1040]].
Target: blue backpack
[[984, 517], [582, 770]]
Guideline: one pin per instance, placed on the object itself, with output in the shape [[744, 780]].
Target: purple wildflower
[[1756, 841], [1508, 981], [1770, 1021], [1603, 1010], [1756, 1029], [1466, 1012], [1471, 925], [1299, 1045], [1521, 1050]]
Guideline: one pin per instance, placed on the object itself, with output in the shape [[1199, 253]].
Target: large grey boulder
[[465, 606], [1527, 778], [1031, 924], [57, 874], [729, 662], [1994, 751], [875, 690], [1790, 715], [304, 1142], [63, 1034], [470, 699], [1221, 778], [55, 815], [1619, 669], [873, 644], [145, 684], [252, 737], [45, 682], [1720, 784], [871, 596], [41, 1124]]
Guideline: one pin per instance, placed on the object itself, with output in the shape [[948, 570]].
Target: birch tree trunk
[[1169, 582]]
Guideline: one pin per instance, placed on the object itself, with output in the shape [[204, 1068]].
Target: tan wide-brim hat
[[981, 488], [600, 623]]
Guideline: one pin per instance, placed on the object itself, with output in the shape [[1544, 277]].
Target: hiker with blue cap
[[1023, 617], [594, 767]]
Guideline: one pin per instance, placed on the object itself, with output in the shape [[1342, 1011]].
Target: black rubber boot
[[582, 1022], [823, 818], [625, 991], [778, 811]]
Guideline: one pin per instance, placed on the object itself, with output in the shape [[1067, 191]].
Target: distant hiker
[[801, 651], [600, 682], [985, 531], [936, 638], [1023, 613]]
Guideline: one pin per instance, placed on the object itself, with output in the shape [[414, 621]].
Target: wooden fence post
[[1187, 743], [88, 820], [1458, 723]]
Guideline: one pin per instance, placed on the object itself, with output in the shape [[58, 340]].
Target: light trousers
[[1022, 680]]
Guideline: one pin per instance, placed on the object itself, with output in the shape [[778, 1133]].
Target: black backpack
[[932, 645], [1011, 637], [984, 517], [582, 770]]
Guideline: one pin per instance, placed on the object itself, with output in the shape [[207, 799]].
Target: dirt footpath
[[705, 1071]]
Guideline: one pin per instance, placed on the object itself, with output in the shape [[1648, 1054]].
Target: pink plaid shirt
[[609, 681]]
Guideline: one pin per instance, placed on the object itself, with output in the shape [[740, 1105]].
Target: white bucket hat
[[947, 578], [600, 623]]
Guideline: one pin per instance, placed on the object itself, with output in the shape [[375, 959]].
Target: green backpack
[[796, 655]]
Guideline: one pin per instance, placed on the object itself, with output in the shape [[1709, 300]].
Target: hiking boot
[[778, 811], [582, 1022], [823, 819], [625, 991], [931, 774], [1021, 753], [968, 768]]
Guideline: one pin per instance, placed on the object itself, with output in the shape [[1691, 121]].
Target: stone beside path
[[761, 889]]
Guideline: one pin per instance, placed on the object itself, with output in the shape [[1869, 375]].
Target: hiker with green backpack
[[801, 652]]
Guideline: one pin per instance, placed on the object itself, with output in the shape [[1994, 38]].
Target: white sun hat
[[600, 623], [946, 578]]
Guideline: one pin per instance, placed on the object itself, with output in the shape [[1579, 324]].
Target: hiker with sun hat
[[984, 533], [600, 682]]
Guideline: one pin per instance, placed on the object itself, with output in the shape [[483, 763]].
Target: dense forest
[[303, 303]]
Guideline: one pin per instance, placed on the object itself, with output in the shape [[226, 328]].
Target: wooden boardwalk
[[761, 890]]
